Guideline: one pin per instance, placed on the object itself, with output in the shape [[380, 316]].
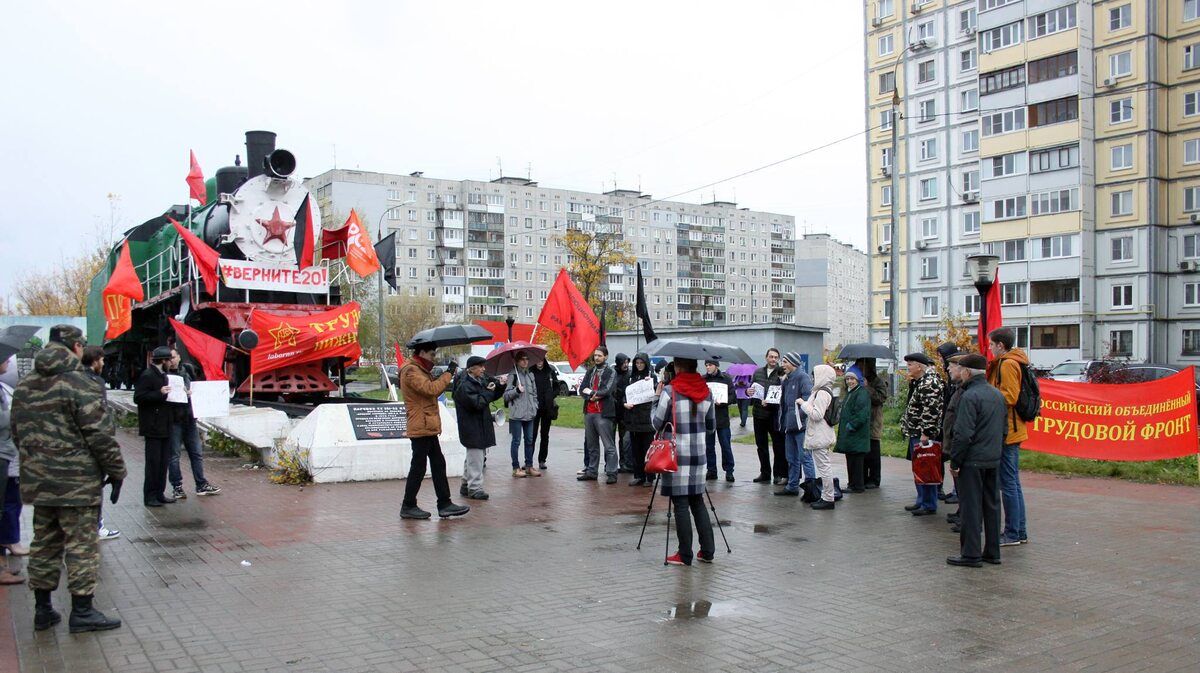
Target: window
[[970, 222], [1003, 122], [1190, 106], [885, 120], [1120, 65], [887, 82], [1013, 294], [1055, 336], [985, 5], [1119, 17], [885, 195], [1122, 203], [1122, 296], [930, 307], [1121, 342], [1054, 67], [883, 8], [1065, 291], [1190, 56], [1191, 151], [1054, 21], [1053, 247], [1191, 294], [886, 276], [1008, 208], [969, 100], [929, 268], [928, 149], [929, 189], [1008, 251], [885, 157], [1120, 110], [971, 304], [1054, 201], [1191, 9], [970, 141], [924, 29], [966, 60], [885, 236], [1001, 80], [928, 110], [929, 227], [970, 181], [1122, 249], [886, 44], [1003, 165], [1191, 246], [887, 308], [999, 38], [1191, 199], [1054, 158], [1122, 157], [926, 72], [1054, 112], [966, 20]]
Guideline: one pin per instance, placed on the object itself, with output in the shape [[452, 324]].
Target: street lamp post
[[379, 228], [509, 319], [982, 269]]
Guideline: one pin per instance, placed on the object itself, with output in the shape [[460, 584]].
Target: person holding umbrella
[[521, 396], [421, 390]]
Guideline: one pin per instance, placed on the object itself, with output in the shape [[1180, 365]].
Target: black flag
[[603, 324], [385, 250], [642, 312]]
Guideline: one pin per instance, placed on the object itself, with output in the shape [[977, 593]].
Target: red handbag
[[927, 463], [660, 457]]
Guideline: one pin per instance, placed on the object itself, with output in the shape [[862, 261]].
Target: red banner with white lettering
[[1110, 421], [289, 340]]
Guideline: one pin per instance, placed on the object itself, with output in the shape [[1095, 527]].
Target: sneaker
[[518, 473], [530, 471], [452, 510], [825, 504], [762, 479], [541, 466], [780, 481], [109, 533], [413, 513], [674, 560], [208, 489], [711, 475], [478, 495], [702, 558], [462, 488], [1008, 541], [586, 477], [611, 479], [178, 493], [729, 476]]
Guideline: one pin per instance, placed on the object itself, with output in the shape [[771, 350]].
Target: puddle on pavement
[[699, 610]]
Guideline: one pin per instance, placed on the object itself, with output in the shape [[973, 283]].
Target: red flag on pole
[[195, 180], [567, 313], [118, 295], [208, 351], [992, 314], [205, 257], [399, 355]]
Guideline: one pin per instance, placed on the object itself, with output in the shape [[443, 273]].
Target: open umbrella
[[856, 351], [502, 360], [696, 349], [14, 337], [448, 335]]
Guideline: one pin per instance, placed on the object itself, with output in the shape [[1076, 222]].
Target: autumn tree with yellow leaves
[[588, 257]]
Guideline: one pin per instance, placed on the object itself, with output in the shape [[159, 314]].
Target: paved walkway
[[545, 577]]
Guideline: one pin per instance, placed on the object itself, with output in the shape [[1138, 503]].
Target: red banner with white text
[[1132, 421], [289, 340]]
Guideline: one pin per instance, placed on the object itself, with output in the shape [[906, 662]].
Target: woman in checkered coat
[[687, 404]]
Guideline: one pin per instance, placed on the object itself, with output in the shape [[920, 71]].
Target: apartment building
[[831, 281], [478, 246], [1089, 172]]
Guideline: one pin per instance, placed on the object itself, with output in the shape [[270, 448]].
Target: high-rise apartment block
[[831, 286], [477, 246], [1071, 134]]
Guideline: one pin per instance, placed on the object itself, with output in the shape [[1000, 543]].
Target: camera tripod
[[667, 545]]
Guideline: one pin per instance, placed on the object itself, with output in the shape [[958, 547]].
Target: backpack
[[832, 412], [1029, 400]]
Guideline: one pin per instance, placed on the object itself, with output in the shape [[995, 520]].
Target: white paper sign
[[178, 392], [640, 391], [756, 391], [210, 398], [774, 395], [720, 392], [243, 274]]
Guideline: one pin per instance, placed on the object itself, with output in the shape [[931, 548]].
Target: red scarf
[[427, 365], [691, 385]]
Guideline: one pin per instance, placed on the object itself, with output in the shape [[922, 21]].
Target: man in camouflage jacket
[[922, 420], [67, 452]]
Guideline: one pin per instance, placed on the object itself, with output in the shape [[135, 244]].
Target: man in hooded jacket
[[713, 374]]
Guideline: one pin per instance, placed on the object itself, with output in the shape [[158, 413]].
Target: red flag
[[993, 315], [360, 254], [303, 235], [291, 340], [206, 258], [118, 295], [335, 241], [208, 351], [399, 355], [567, 313], [195, 180]]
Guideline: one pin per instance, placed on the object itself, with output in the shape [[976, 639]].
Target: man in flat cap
[[922, 420], [68, 452], [975, 446], [154, 424]]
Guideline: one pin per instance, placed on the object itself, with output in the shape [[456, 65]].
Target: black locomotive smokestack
[[259, 145]]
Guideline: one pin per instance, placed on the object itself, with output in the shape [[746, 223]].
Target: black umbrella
[[14, 337], [696, 349], [856, 351], [449, 335]]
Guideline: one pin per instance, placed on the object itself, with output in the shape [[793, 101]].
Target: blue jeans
[[798, 459], [520, 429], [1010, 493], [186, 436], [744, 411], [710, 449]]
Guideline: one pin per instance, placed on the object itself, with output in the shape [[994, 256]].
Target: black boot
[[44, 614], [810, 491], [84, 617]]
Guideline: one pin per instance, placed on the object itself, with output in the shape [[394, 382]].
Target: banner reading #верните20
[[1102, 421]]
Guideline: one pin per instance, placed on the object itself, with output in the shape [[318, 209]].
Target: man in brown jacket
[[421, 390], [1004, 372]]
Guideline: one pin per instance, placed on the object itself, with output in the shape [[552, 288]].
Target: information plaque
[[378, 421]]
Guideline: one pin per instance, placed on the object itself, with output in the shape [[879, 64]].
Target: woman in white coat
[[819, 438]]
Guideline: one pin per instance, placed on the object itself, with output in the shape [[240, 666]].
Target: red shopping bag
[[927, 463]]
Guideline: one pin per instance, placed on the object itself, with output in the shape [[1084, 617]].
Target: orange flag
[[195, 180], [360, 254], [123, 287]]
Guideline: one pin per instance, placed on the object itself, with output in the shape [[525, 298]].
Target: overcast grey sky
[[108, 97]]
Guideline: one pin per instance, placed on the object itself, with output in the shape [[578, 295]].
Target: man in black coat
[[473, 397], [713, 374], [975, 447], [154, 424], [545, 381], [624, 455], [764, 422]]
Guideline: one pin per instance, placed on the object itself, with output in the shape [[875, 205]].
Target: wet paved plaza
[[545, 577]]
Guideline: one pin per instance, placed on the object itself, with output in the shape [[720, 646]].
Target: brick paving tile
[[545, 576]]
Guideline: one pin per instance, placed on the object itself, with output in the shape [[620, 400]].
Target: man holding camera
[[473, 397], [421, 390]]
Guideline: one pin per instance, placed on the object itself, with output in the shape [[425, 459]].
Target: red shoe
[[674, 560], [701, 558]]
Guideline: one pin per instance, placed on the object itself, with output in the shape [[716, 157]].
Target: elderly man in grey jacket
[[975, 448], [521, 398]]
